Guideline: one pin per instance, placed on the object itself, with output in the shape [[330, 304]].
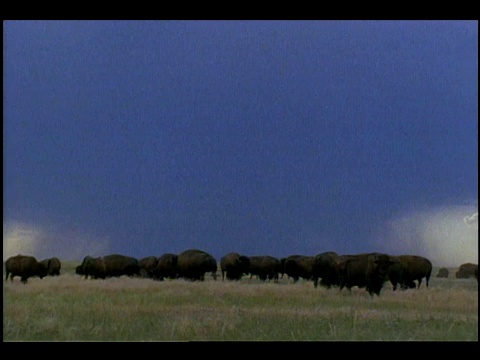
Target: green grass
[[70, 308]]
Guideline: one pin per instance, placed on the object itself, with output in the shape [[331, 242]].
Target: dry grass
[[69, 308]]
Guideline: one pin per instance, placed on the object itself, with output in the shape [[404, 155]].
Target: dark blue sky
[[262, 137]]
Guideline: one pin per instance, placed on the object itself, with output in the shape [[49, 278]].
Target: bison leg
[[326, 283]]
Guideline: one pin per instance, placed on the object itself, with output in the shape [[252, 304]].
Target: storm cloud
[[46, 241], [439, 233]]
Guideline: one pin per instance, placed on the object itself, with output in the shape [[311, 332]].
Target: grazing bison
[[234, 266], [192, 264], [407, 269], [25, 267], [466, 270], [325, 267], [298, 266], [118, 265], [166, 267], [397, 275], [442, 273], [265, 267], [53, 266], [368, 271], [93, 267], [108, 266], [147, 266]]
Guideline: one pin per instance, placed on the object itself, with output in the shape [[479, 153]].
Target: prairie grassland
[[70, 308]]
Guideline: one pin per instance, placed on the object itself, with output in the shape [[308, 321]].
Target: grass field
[[70, 308]]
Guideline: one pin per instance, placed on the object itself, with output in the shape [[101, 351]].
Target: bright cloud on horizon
[[20, 239], [446, 235], [472, 220], [34, 240]]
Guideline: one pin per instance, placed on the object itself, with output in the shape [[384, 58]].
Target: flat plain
[[70, 308]]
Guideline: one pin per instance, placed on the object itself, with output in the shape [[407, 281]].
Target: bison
[[442, 273], [234, 266], [118, 265], [148, 265], [265, 267], [325, 267], [166, 267], [397, 273], [193, 264], [368, 271], [108, 266], [298, 266], [466, 270], [53, 266], [25, 267], [93, 267], [407, 269]]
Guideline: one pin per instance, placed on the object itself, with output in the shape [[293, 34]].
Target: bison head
[[79, 270], [381, 265]]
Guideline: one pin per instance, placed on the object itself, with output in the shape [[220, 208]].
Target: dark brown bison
[[265, 267], [466, 270], [53, 266], [368, 271], [25, 267], [397, 273], [193, 264], [442, 273], [325, 267], [166, 267], [298, 266], [329, 267], [407, 269], [147, 266], [234, 266], [118, 265], [108, 266], [93, 267]]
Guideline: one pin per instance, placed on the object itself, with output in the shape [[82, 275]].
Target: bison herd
[[329, 269], [369, 270]]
